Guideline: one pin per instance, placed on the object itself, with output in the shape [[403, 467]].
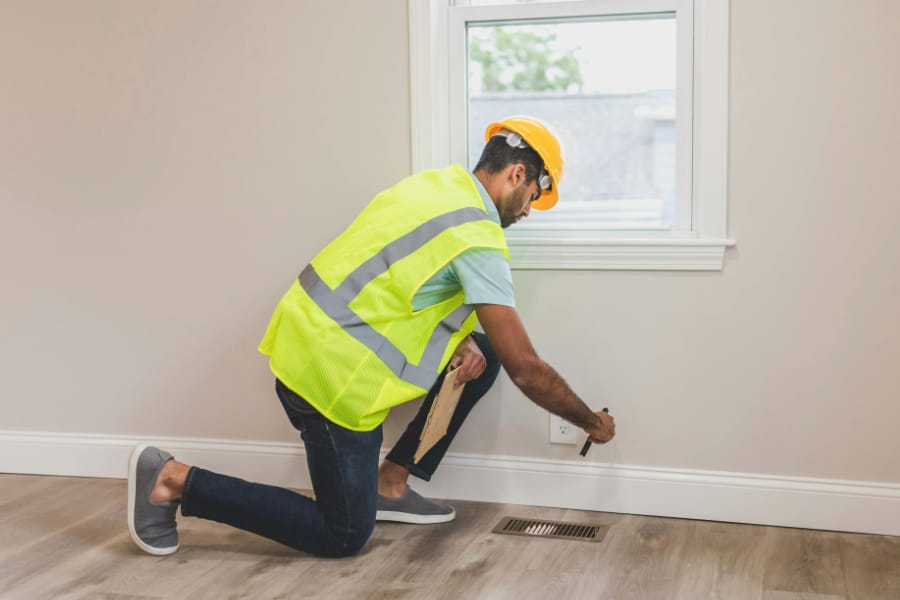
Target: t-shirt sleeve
[[485, 276]]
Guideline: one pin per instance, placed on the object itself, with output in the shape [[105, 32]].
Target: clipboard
[[440, 414]]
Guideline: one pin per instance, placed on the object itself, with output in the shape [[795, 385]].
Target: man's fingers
[[471, 368], [604, 439]]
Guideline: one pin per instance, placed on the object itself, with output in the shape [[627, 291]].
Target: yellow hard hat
[[538, 136]]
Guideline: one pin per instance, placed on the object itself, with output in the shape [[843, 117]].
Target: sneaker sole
[[403, 517], [132, 493]]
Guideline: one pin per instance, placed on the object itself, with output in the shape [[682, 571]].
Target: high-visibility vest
[[345, 336]]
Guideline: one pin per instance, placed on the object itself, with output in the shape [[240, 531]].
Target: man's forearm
[[537, 380], [546, 388]]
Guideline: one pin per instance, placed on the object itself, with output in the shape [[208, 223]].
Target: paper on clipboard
[[440, 414]]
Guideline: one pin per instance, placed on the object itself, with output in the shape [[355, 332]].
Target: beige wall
[[167, 168]]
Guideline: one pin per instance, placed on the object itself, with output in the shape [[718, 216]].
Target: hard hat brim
[[548, 200]]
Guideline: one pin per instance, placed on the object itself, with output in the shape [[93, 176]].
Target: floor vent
[[551, 529]]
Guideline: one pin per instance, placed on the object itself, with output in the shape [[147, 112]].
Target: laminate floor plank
[[645, 556], [778, 595], [871, 566], [207, 550], [254, 570], [724, 561], [803, 561], [411, 558], [36, 563], [67, 538], [21, 489], [47, 495]]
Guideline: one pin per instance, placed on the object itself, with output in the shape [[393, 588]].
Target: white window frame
[[438, 131]]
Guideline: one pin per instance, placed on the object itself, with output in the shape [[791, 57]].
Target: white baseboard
[[856, 506]]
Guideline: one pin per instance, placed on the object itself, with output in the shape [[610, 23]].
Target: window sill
[[620, 254]]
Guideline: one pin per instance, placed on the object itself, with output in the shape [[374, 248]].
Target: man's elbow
[[526, 374]]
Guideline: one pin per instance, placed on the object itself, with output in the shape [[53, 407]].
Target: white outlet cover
[[562, 432]]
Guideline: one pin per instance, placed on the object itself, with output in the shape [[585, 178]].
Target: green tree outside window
[[524, 60]]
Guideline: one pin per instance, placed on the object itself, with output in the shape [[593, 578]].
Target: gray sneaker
[[151, 524], [413, 508]]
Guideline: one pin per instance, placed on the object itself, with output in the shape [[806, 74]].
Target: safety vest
[[345, 336]]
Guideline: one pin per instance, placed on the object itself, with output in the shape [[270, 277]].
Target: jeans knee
[[347, 543]]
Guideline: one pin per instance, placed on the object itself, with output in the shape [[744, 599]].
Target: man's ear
[[517, 175]]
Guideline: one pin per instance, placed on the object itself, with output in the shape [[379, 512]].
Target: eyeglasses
[[514, 140]]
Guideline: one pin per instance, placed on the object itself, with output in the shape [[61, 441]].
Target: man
[[374, 321]]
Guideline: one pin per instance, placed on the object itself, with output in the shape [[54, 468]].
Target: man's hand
[[469, 360], [603, 429]]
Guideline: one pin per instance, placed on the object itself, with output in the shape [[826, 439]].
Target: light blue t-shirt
[[482, 273]]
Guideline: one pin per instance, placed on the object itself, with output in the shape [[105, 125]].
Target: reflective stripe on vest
[[336, 303]]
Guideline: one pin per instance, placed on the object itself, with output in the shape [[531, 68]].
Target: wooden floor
[[66, 537]]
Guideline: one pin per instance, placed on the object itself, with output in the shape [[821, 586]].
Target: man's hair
[[497, 155]]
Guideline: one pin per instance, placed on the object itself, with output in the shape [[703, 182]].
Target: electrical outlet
[[562, 432]]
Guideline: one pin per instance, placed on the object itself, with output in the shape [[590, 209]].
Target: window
[[637, 90]]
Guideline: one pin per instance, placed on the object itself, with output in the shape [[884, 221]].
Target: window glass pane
[[608, 88]]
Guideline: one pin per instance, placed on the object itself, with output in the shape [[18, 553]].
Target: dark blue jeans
[[343, 467]]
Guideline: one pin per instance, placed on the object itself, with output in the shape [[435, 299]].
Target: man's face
[[516, 203]]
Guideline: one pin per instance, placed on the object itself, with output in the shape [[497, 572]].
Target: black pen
[[587, 444]]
